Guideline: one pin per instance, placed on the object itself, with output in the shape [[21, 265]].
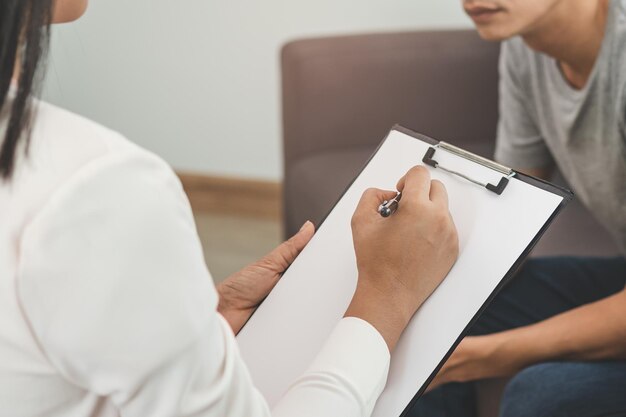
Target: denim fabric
[[582, 389], [544, 288]]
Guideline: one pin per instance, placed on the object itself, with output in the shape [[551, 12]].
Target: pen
[[388, 207]]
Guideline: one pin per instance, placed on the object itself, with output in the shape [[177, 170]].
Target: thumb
[[286, 253], [303, 236]]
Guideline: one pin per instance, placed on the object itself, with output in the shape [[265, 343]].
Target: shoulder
[[515, 48], [67, 150], [112, 259], [61, 138], [617, 53], [616, 35], [92, 166], [516, 61], [620, 7], [617, 30]]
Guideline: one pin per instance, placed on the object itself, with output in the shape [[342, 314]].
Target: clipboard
[[514, 210]]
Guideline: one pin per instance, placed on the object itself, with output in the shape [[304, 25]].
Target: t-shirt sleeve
[[113, 284], [519, 143]]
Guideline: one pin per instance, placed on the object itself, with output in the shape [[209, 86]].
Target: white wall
[[197, 81]]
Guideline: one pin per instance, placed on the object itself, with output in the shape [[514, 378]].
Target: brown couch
[[341, 95]]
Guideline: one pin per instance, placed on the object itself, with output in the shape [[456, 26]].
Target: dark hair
[[24, 35]]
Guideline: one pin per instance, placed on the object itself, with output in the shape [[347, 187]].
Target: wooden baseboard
[[236, 196]]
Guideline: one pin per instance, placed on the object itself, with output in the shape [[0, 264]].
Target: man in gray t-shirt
[[559, 329]]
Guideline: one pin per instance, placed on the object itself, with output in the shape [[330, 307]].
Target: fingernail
[[305, 225]]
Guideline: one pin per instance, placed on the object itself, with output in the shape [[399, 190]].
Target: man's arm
[[592, 332], [595, 331]]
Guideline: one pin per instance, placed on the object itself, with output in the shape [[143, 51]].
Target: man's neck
[[572, 33]]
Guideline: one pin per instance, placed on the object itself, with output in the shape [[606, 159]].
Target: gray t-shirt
[[543, 120]]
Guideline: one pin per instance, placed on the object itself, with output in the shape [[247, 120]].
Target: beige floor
[[231, 242]]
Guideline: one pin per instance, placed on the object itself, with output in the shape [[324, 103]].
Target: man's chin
[[494, 34]]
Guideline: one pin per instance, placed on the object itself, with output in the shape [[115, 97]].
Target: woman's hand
[[241, 293], [403, 258]]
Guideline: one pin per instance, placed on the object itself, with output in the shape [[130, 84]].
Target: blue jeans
[[542, 289]]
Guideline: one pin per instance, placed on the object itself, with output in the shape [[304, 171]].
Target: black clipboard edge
[[510, 275], [539, 183]]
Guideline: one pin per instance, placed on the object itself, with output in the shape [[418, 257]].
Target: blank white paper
[[288, 330]]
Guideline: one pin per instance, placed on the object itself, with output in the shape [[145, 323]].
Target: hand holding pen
[[388, 207], [401, 258]]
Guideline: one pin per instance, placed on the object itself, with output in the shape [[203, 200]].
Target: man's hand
[[591, 332], [241, 293], [479, 357]]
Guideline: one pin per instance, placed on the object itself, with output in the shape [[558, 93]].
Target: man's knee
[[537, 391]]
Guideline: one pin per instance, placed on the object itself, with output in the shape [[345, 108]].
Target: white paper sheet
[[285, 334]]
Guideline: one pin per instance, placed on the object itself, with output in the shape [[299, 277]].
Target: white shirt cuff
[[357, 352]]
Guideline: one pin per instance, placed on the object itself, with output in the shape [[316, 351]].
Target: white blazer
[[107, 307]]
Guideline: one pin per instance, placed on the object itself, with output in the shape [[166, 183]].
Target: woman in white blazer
[[106, 306]]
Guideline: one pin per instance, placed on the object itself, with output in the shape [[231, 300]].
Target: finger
[[438, 193], [417, 184], [372, 198], [284, 255], [400, 184]]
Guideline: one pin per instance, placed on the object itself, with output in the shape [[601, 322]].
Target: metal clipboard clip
[[498, 189]]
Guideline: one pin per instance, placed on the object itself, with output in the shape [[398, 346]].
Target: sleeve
[[114, 286], [519, 141], [353, 365]]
